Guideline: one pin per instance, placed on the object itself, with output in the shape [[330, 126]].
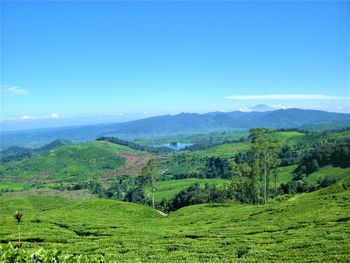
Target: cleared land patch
[[132, 166]]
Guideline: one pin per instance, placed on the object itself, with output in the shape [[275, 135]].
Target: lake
[[178, 146]]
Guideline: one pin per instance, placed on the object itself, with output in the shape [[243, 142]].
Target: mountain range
[[184, 124]]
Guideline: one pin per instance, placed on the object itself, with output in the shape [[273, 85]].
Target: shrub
[[9, 253]]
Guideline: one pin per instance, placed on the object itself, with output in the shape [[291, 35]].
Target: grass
[[293, 138], [227, 150], [284, 175], [13, 186], [336, 173], [309, 227], [168, 189]]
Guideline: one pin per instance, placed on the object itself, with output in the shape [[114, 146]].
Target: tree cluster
[[336, 154], [195, 194]]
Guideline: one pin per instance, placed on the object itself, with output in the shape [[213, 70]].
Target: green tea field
[[308, 227]]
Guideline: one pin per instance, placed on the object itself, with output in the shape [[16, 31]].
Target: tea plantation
[[311, 227]]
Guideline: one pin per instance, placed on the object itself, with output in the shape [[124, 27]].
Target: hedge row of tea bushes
[[11, 254]]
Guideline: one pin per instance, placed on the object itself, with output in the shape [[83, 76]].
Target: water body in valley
[[175, 146]]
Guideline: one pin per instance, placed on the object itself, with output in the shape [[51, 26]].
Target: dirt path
[[161, 213]]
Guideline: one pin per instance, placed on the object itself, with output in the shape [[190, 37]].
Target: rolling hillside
[[289, 138], [336, 173], [168, 189], [298, 228], [77, 164], [70, 164], [316, 225]]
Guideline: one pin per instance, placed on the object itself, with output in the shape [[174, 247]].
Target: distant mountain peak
[[263, 108], [260, 108]]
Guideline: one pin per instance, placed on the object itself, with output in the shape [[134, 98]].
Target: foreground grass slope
[[309, 227]]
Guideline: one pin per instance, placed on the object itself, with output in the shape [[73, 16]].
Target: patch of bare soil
[[132, 166]]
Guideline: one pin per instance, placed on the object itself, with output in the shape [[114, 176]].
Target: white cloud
[[285, 97], [245, 109], [13, 90], [29, 117], [55, 116], [277, 107], [41, 117]]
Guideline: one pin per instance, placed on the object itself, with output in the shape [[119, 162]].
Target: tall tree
[[150, 172], [266, 151]]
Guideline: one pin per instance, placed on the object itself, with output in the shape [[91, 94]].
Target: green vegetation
[[311, 226], [336, 154], [9, 253], [284, 175], [74, 167], [168, 189], [71, 163], [330, 172], [133, 145], [17, 153], [297, 223], [213, 138], [227, 150], [150, 173]]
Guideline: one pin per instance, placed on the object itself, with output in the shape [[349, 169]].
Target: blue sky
[[130, 59]]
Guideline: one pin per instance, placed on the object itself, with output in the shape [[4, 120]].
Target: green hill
[[330, 172], [192, 161], [308, 227], [290, 138], [168, 189], [293, 138], [70, 163], [227, 150], [285, 174]]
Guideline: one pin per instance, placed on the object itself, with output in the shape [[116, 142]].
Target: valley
[[94, 198], [174, 131]]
